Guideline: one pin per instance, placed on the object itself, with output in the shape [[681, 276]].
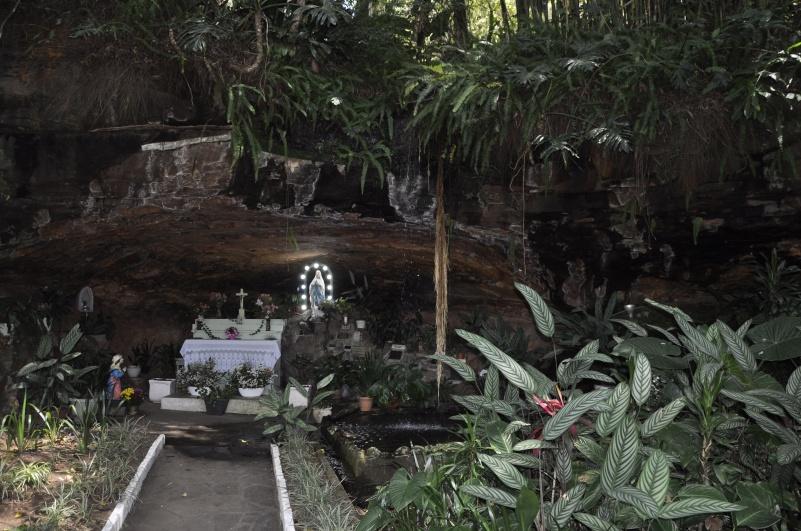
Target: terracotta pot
[[365, 404]]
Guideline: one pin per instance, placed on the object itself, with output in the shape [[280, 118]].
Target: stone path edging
[[284, 507], [117, 517]]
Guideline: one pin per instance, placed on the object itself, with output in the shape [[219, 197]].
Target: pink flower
[[549, 405]]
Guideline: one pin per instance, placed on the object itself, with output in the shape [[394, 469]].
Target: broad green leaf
[[531, 444], [661, 418], [621, 458], [543, 384], [631, 326], [757, 506], [272, 429], [595, 523], [298, 387], [492, 383], [566, 505], [528, 505], [69, 341], [524, 460], [655, 477], [501, 497], [753, 401], [778, 339], [571, 412], [542, 315], [641, 380], [617, 406], [590, 449], [794, 383], [742, 354], [462, 369], [772, 427], [698, 340], [325, 381], [511, 370], [693, 506], [696, 490], [672, 310], [660, 352], [45, 347], [515, 425], [505, 471], [588, 351], [788, 453], [641, 501]]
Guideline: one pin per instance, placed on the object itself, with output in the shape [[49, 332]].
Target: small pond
[[365, 449]]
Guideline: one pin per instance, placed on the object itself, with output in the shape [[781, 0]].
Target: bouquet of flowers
[[248, 377], [201, 309], [198, 375], [265, 302], [218, 299], [133, 396], [232, 332]]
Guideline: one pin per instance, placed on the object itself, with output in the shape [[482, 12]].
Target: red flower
[[550, 406]]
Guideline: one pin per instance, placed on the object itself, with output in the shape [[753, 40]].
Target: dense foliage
[[688, 426], [660, 89]]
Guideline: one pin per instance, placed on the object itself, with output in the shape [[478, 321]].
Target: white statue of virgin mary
[[316, 294]]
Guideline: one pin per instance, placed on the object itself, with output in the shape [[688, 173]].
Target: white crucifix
[[241, 296]]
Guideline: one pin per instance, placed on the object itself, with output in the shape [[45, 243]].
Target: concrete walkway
[[214, 474]]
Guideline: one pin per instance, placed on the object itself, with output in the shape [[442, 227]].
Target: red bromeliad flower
[[549, 406]]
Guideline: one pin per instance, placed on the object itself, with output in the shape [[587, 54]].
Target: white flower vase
[[134, 371], [251, 392], [192, 390], [160, 387], [298, 400]]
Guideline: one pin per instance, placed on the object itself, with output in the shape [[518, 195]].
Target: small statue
[[114, 381], [316, 294]]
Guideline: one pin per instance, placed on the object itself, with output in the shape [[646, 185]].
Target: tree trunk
[[505, 16], [522, 14], [461, 32], [440, 271]]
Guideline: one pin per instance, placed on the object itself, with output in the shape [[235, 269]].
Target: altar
[[227, 355]]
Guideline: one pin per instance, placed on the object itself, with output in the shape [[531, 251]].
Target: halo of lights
[[309, 271]]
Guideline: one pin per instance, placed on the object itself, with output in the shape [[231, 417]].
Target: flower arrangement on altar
[[198, 375], [132, 396], [201, 309], [232, 332], [249, 377], [265, 302], [218, 299]]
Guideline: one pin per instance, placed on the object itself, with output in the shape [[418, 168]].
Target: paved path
[[213, 475]]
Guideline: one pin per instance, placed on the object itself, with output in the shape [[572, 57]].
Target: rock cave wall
[[154, 218]]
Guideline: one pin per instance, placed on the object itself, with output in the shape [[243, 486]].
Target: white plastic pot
[[296, 399], [160, 387], [251, 392], [134, 371], [192, 390]]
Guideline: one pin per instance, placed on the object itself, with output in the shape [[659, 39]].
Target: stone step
[[236, 406]]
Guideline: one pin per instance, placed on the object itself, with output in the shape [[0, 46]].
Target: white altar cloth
[[227, 354]]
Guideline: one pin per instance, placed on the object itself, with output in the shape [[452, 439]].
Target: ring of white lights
[[311, 270]]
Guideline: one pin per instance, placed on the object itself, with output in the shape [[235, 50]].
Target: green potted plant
[[251, 381], [370, 371], [217, 396], [197, 377], [139, 354]]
